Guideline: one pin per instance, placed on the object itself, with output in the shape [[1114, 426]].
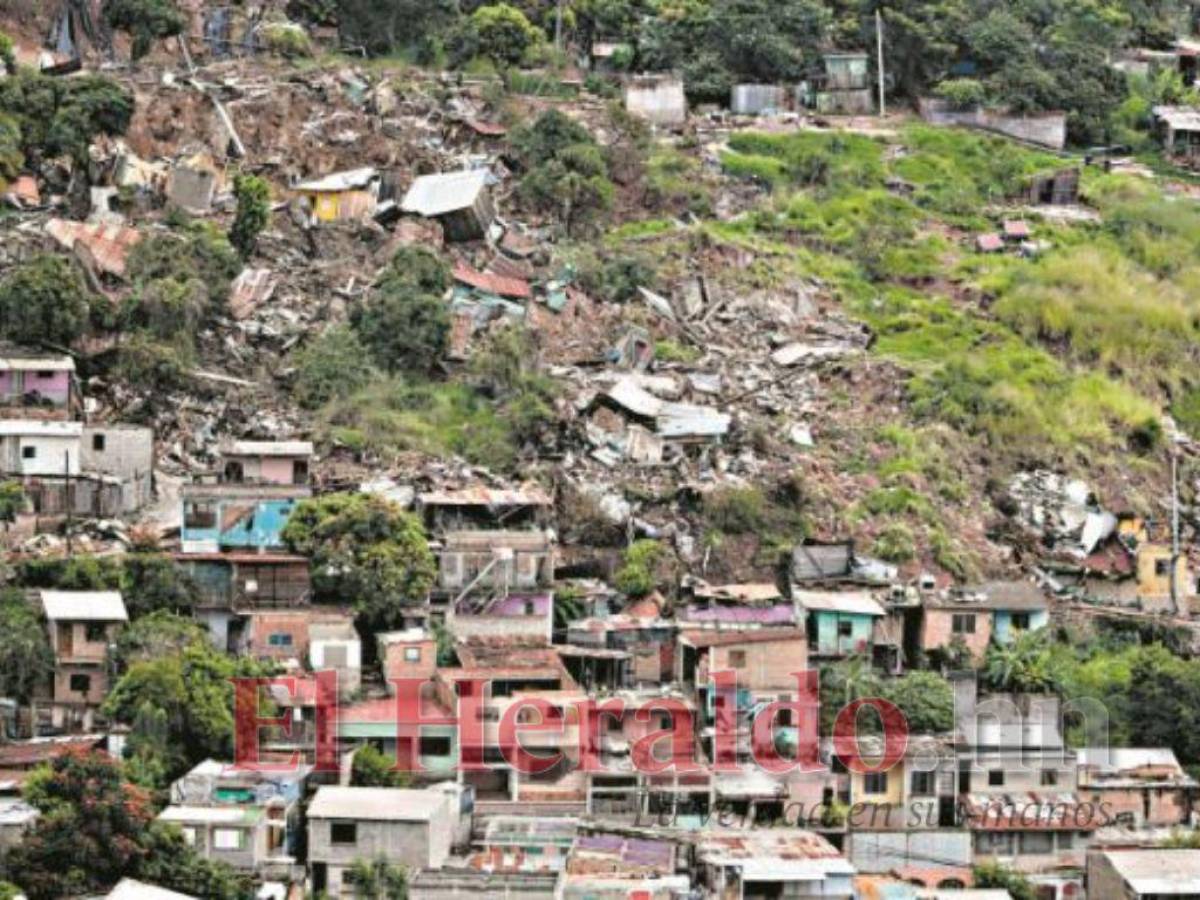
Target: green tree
[[26, 660], [8, 56], [925, 698], [364, 550], [1023, 665], [374, 768], [404, 321], [378, 880], [640, 569], [154, 636], [145, 21], [505, 368], [151, 582], [59, 116], [565, 170], [12, 501], [197, 256], [995, 875], [253, 213], [383, 26], [44, 301], [194, 688], [504, 33], [332, 367]]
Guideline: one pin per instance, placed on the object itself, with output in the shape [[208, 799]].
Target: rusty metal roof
[[108, 246], [500, 285]]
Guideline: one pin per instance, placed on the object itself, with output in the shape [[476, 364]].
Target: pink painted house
[[267, 462], [38, 385]]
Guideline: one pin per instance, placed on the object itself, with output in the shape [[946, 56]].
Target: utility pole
[[879, 52], [67, 495], [558, 26], [1174, 533]]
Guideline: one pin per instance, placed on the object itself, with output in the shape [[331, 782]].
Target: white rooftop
[[36, 428], [1124, 758], [208, 815], [84, 606], [354, 179], [377, 804], [129, 889], [36, 364], [436, 195], [1169, 873], [16, 812], [270, 448]]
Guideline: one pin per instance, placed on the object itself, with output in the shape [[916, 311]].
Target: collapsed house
[[1178, 128], [461, 202], [647, 426]]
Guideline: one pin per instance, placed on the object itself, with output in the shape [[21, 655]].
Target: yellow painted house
[[342, 197]]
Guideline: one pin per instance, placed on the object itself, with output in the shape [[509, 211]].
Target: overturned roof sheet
[[1179, 118], [353, 180], [672, 420], [738, 593], [84, 606], [500, 285], [850, 604], [437, 195], [107, 246], [481, 496], [129, 889], [250, 290]]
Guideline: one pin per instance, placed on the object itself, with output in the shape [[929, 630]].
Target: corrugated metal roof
[[672, 420], [813, 562], [492, 283], [436, 195], [1169, 873], [108, 245], [33, 363], [351, 180], [84, 606], [851, 603], [376, 804]]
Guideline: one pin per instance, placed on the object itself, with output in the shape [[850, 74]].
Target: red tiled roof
[[32, 753], [493, 284], [108, 245]]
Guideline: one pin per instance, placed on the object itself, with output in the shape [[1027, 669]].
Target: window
[[98, 443], [229, 839], [963, 623], [434, 746], [279, 640], [45, 375], [998, 843], [1037, 842], [737, 659], [845, 629], [996, 778], [95, 632], [1162, 567], [875, 783], [924, 784], [343, 833], [200, 515], [28, 452], [1049, 777], [81, 684], [1020, 621], [412, 654]]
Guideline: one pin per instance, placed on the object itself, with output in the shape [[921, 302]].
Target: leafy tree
[[365, 550], [12, 501], [12, 158], [146, 21], [44, 301], [382, 26], [374, 768], [1024, 665], [154, 636], [253, 212], [925, 698], [332, 367], [638, 574], [151, 582], [8, 56], [378, 880], [565, 171], [58, 116], [194, 688], [504, 33], [26, 660], [1164, 699], [97, 828], [404, 321], [91, 829], [197, 256], [995, 875], [506, 368]]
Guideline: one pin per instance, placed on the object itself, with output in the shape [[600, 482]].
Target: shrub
[[44, 301], [287, 39], [962, 93], [638, 574], [504, 34], [736, 510], [333, 366], [146, 21], [405, 330], [895, 543], [253, 212]]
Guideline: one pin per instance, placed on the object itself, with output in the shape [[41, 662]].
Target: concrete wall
[[416, 845], [1002, 623], [1046, 129], [51, 455], [660, 100], [753, 99], [97, 684], [766, 666], [831, 643], [937, 629], [1103, 880], [882, 851]]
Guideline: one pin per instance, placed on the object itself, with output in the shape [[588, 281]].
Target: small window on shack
[[963, 623], [200, 514], [28, 452], [81, 684], [845, 628], [412, 654], [98, 442], [279, 639], [345, 833], [1162, 567]]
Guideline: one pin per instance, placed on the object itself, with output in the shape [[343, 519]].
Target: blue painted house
[[1016, 606], [222, 517], [840, 624]]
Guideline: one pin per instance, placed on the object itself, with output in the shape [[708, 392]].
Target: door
[[66, 640]]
